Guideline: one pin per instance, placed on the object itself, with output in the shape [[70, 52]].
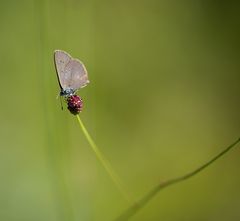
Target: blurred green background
[[163, 99]]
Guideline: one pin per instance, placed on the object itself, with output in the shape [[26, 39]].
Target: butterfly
[[71, 72]]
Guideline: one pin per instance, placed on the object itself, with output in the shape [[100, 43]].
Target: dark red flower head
[[75, 104]]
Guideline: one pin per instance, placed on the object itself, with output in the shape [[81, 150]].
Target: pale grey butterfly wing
[[71, 72], [61, 59], [78, 73]]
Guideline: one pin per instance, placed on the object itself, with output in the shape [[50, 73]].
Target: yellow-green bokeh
[[163, 99]]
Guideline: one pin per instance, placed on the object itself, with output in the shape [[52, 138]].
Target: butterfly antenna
[[61, 102]]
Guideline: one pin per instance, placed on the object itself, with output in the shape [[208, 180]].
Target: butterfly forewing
[[61, 59]]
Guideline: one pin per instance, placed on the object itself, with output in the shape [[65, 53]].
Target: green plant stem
[[142, 202], [104, 162]]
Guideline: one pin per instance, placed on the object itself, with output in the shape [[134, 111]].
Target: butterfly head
[[67, 92]]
